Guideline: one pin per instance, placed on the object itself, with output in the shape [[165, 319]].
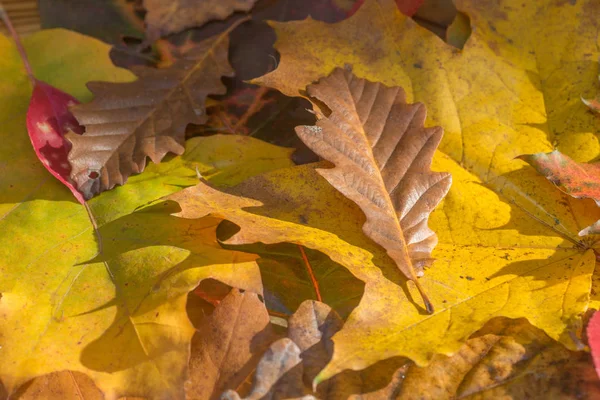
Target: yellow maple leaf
[[508, 239]]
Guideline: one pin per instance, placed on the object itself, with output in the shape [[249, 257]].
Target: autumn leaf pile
[[368, 212]]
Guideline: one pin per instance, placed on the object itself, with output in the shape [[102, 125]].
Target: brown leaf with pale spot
[[170, 16], [127, 122], [382, 155]]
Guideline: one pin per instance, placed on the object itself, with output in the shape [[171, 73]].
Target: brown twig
[[311, 274], [20, 48]]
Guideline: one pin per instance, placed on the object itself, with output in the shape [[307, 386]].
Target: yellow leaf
[[549, 283], [118, 316], [508, 239]]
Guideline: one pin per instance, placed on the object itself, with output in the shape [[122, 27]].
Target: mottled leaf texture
[[48, 119], [593, 104], [127, 122], [580, 180], [170, 16], [382, 155]]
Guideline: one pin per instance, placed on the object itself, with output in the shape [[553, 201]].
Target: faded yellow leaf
[[508, 239], [119, 316]]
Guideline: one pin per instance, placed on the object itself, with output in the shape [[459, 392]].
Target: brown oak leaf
[[382, 155], [127, 122], [170, 16]]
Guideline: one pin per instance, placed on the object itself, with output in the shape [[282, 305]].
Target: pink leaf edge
[[48, 120]]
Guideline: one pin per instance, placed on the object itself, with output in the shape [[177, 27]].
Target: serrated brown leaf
[[170, 16], [127, 122], [382, 155]]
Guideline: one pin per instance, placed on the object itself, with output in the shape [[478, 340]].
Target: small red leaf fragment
[[48, 120], [593, 334]]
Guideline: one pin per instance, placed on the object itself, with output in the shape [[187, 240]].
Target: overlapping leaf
[[382, 155], [228, 345], [128, 122], [165, 17], [297, 205], [119, 315], [508, 239], [580, 180], [506, 359]]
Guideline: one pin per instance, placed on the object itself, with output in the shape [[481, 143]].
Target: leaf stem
[[95, 225], [311, 274], [20, 48], [428, 304]]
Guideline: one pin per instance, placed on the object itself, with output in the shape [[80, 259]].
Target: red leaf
[[593, 334], [579, 180], [48, 119]]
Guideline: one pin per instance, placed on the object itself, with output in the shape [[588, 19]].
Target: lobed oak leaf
[[382, 155], [119, 315], [471, 283], [128, 122], [504, 232], [165, 17], [506, 359]]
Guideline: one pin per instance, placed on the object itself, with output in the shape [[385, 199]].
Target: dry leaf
[[127, 122], [579, 180], [228, 345], [508, 239], [382, 155], [507, 359], [170, 16], [63, 385], [278, 375]]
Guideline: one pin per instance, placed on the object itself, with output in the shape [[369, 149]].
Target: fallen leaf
[[382, 155], [120, 315], [64, 385], [508, 241], [165, 17], [311, 328], [279, 375], [228, 345], [507, 359], [48, 119], [297, 205], [580, 180], [128, 122]]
